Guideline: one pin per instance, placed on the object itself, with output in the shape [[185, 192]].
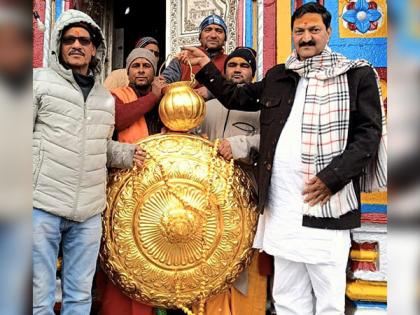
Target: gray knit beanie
[[141, 53]]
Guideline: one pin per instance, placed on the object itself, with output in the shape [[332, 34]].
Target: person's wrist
[[205, 60]]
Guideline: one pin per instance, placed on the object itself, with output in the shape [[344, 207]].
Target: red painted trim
[[374, 218], [363, 265], [299, 3], [383, 75], [364, 246], [269, 56], [72, 4], [67, 5], [38, 36], [239, 23], [382, 72]]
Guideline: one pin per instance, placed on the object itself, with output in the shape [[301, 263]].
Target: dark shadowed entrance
[[134, 19]]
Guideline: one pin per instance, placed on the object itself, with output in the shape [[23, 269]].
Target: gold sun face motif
[[180, 229]]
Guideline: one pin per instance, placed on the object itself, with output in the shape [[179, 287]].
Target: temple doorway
[[134, 19]]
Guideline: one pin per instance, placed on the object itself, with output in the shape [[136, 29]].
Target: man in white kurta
[[304, 257], [323, 141]]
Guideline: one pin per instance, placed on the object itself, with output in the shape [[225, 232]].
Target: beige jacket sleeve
[[119, 154]]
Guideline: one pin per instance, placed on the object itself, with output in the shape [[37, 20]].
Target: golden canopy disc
[[180, 229]]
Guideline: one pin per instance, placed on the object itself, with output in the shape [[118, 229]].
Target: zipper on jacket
[[82, 164]]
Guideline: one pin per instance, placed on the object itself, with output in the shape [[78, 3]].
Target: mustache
[[76, 51], [310, 43]]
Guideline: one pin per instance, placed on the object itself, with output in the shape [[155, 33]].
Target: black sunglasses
[[70, 40]]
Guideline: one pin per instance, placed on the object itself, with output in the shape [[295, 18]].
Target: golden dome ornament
[[179, 230], [181, 108]]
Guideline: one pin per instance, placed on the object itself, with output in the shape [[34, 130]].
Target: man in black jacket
[[322, 142]]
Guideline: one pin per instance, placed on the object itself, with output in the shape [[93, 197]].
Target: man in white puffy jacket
[[72, 147]]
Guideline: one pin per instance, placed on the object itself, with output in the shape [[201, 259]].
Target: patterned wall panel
[[359, 29], [183, 18]]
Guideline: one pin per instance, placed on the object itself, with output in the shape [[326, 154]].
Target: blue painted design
[[362, 16], [370, 305], [373, 50], [58, 8], [248, 23], [369, 208]]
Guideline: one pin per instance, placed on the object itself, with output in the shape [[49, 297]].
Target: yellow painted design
[[283, 32], [371, 291], [382, 30], [363, 255], [384, 89], [375, 198]]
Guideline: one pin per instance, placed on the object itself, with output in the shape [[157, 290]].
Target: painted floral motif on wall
[[362, 16]]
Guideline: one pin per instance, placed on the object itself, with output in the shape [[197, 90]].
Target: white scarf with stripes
[[325, 125]]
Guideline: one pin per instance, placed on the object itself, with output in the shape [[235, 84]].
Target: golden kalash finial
[[181, 108], [180, 229]]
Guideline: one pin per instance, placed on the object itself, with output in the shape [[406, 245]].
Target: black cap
[[246, 53]]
